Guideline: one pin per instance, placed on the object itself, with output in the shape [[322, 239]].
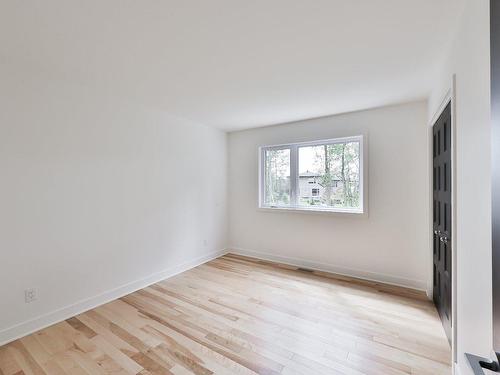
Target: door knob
[[443, 239], [479, 363]]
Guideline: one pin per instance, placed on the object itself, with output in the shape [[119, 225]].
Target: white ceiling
[[238, 64]]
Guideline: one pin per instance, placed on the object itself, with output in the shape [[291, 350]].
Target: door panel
[[442, 218], [495, 167]]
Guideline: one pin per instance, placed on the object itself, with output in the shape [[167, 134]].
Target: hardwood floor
[[237, 315]]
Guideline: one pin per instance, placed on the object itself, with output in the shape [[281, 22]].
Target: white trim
[[444, 102], [320, 211], [294, 176], [454, 206], [316, 266], [318, 142], [20, 330]]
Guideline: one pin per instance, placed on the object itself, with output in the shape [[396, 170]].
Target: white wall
[[91, 197], [390, 245], [469, 60]]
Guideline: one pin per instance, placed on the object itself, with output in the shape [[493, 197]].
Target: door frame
[[449, 97]]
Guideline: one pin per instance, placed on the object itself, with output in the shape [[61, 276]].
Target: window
[[323, 175]]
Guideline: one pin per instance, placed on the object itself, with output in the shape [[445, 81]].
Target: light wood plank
[[242, 316]]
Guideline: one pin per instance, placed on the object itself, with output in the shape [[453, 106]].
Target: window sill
[[320, 211]]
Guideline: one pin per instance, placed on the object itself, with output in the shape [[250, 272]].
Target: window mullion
[[262, 176], [294, 175]]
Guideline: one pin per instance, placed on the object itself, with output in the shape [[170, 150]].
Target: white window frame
[[294, 177]]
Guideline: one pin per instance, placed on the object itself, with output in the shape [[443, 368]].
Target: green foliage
[[341, 174], [277, 179]]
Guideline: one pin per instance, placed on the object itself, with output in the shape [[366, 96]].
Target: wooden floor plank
[[243, 316]]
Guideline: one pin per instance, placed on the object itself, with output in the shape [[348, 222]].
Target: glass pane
[[329, 175], [311, 174], [277, 178]]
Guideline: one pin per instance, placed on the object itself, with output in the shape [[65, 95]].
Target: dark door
[[442, 217], [495, 161]]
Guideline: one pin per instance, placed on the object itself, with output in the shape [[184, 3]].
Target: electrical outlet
[[30, 295], [205, 243]]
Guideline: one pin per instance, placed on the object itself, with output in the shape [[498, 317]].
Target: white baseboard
[[48, 319], [366, 275]]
